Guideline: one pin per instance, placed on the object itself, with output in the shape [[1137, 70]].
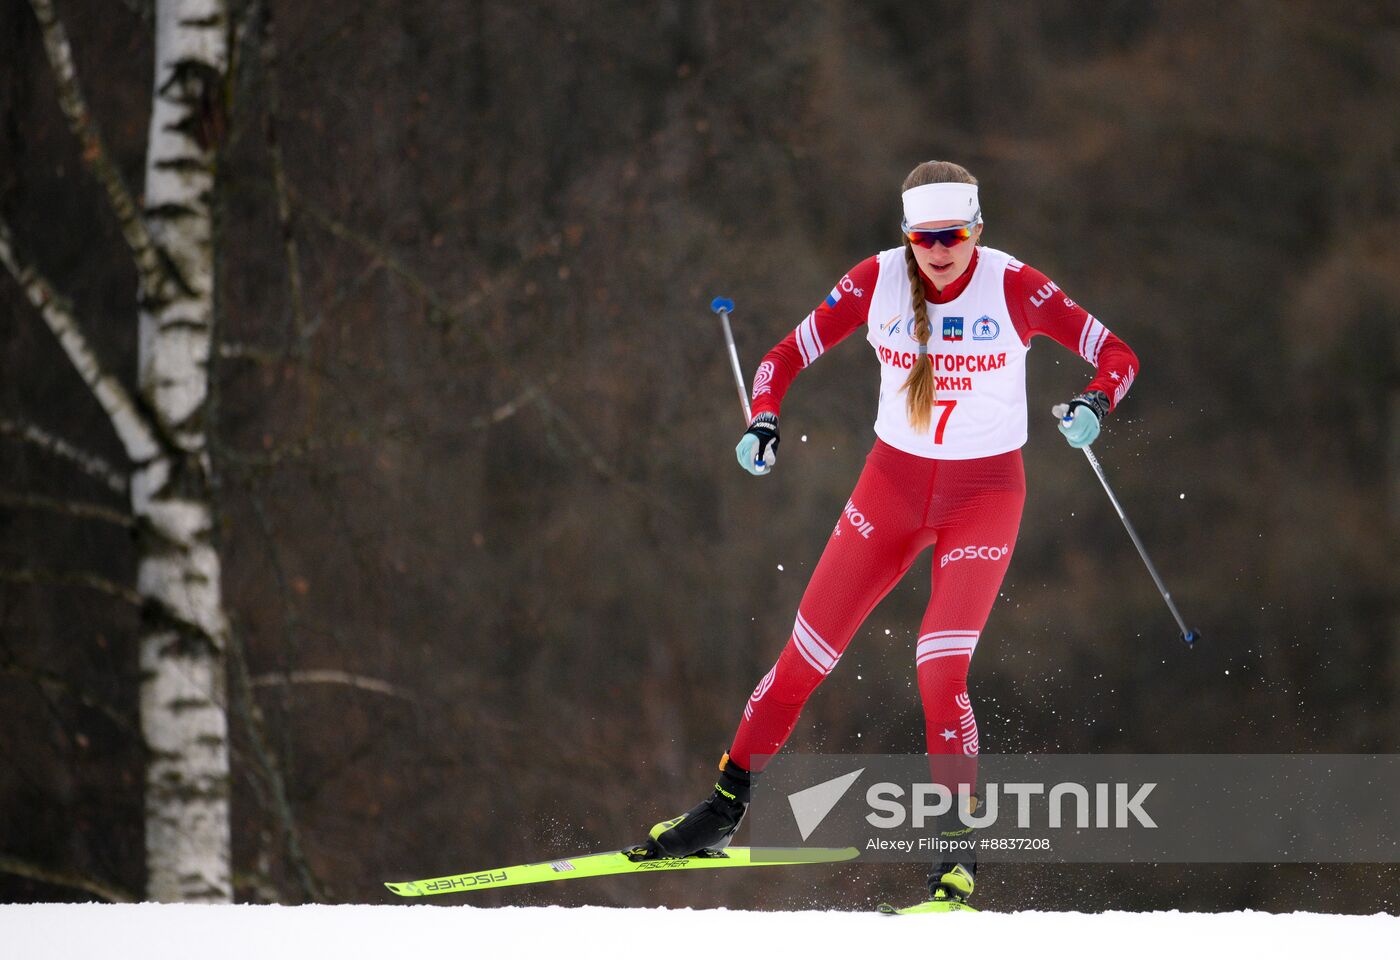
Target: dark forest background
[[499, 586]]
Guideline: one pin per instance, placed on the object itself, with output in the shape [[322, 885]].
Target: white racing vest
[[978, 357]]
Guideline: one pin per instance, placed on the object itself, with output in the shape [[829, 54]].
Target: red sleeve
[[1040, 308], [845, 308]]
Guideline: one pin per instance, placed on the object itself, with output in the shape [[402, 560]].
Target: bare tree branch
[[590, 452], [344, 293], [279, 802], [301, 447], [136, 434], [61, 878], [510, 408], [72, 508], [89, 463], [155, 271], [253, 353], [72, 579], [339, 677], [271, 771], [266, 460], [56, 684], [234, 350], [448, 316], [442, 312], [141, 8], [267, 49]]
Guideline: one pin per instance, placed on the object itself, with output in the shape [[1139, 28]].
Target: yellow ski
[[618, 862]]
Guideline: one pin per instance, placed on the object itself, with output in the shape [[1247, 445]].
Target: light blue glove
[[758, 447], [1080, 428], [1079, 419]]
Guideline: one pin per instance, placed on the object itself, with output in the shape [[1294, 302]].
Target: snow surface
[[170, 931]]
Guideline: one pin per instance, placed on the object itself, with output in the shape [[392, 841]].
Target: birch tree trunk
[[182, 648]]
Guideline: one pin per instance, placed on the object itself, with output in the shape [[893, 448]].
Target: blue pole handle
[[722, 304]]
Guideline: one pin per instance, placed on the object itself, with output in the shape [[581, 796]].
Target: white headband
[[941, 201]]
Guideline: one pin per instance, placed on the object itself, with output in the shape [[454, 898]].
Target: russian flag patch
[[832, 297]]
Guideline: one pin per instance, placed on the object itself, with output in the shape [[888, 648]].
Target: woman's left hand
[[1080, 418]]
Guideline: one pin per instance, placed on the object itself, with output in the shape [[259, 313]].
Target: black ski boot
[[706, 828]]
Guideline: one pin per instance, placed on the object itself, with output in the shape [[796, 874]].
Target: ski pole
[[723, 306], [1189, 636]]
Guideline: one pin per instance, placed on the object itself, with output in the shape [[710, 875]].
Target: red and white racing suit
[[959, 487]]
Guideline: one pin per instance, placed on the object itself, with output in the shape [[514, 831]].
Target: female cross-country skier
[[950, 323]]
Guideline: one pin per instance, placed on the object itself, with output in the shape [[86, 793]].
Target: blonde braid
[[918, 386]]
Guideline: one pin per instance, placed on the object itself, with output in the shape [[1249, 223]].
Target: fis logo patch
[[985, 329], [952, 328]]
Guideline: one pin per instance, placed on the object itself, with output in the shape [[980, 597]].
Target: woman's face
[[942, 265]]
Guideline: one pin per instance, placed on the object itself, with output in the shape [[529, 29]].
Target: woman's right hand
[[758, 447]]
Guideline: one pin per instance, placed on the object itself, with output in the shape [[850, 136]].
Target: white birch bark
[[135, 433], [183, 690], [95, 153]]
